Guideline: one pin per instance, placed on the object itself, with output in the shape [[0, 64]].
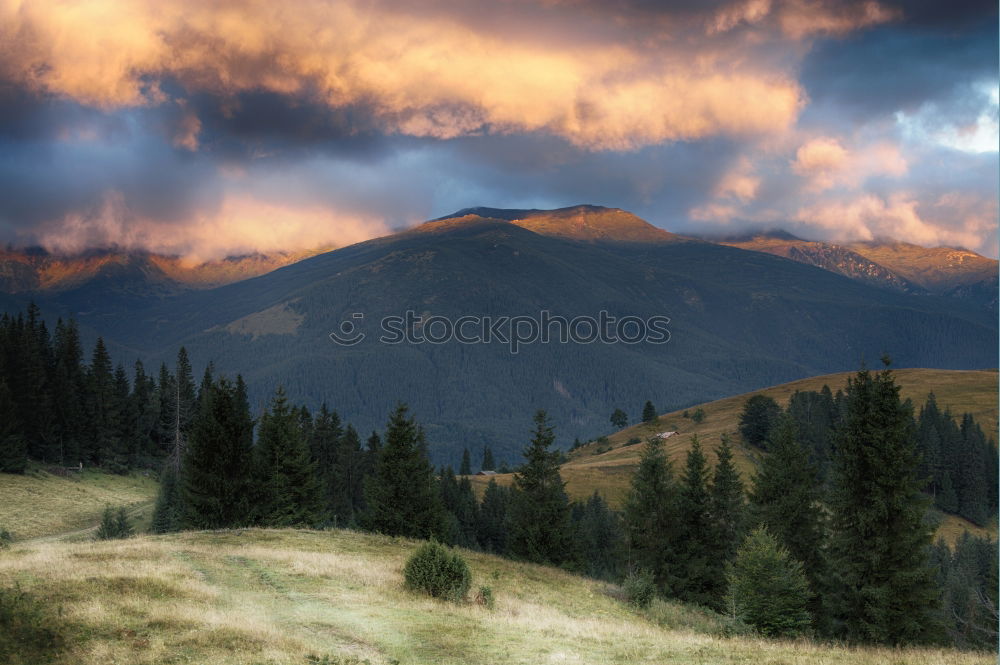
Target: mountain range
[[739, 320]]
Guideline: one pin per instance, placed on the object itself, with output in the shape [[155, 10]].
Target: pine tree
[[599, 537], [167, 511], [539, 515], [767, 588], [216, 475], [619, 419], [123, 527], [68, 387], [401, 494], [107, 529], [488, 463], [466, 468], [884, 591], [786, 500], [102, 406], [13, 448], [728, 505], [700, 574], [947, 499], [648, 412], [287, 479], [651, 518], [492, 528], [324, 451]]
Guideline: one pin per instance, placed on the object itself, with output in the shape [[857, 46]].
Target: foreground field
[[274, 597], [39, 504], [609, 469]]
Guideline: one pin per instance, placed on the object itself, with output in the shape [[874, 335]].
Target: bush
[[767, 588], [115, 524], [485, 597], [698, 416], [6, 538], [639, 588], [438, 572], [634, 441]]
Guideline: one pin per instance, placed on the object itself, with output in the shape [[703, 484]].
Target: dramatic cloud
[[207, 128]]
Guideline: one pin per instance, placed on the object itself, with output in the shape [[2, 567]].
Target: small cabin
[[665, 435], [486, 473]]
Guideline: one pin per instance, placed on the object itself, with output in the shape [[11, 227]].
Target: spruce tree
[[539, 515], [492, 528], [216, 474], [466, 468], [67, 392], [290, 494], [599, 538], [13, 448], [488, 463], [648, 412], [767, 588], [786, 500], [651, 517], [884, 589], [167, 511], [401, 494], [700, 573], [728, 503]]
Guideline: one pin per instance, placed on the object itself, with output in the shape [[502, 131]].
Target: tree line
[[833, 523]]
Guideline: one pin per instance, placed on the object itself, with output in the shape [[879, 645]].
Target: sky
[[207, 129]]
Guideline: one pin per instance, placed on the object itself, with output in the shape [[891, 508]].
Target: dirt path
[[81, 534]]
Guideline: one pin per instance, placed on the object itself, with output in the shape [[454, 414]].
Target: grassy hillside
[[40, 504], [292, 597], [609, 472]]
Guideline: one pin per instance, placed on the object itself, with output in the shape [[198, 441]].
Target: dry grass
[[275, 597], [610, 472], [39, 504]]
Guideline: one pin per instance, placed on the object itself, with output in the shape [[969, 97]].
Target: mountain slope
[[610, 471], [739, 320], [294, 597], [898, 266]]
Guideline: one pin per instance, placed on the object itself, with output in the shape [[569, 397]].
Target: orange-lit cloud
[[241, 225], [421, 75], [825, 163]]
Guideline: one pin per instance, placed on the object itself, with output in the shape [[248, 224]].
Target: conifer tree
[[324, 442], [167, 511], [493, 518], [700, 574], [786, 500], [728, 503], [290, 495], [401, 494], [216, 475], [13, 448], [884, 589], [648, 412], [651, 517], [760, 412], [599, 538], [103, 406], [539, 511], [488, 463], [68, 388], [466, 468], [619, 419], [767, 588]]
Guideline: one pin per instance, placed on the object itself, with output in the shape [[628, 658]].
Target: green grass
[[38, 504], [610, 472], [259, 597]]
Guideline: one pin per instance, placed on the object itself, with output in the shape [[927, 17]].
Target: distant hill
[[899, 266], [610, 472], [739, 320]]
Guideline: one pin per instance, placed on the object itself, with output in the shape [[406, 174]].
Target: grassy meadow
[[267, 597], [609, 471], [39, 504]]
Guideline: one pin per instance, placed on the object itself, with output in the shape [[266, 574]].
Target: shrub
[[438, 572], [639, 588], [698, 416], [634, 441], [114, 524], [6, 538], [767, 588], [485, 597]]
